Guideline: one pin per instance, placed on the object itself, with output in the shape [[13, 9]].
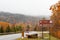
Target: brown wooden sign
[[45, 22]]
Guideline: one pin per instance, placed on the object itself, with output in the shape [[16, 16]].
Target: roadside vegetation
[[46, 37], [10, 30]]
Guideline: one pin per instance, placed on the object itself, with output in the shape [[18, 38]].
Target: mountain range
[[16, 18]]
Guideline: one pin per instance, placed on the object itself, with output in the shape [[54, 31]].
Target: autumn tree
[[55, 17], [36, 28]]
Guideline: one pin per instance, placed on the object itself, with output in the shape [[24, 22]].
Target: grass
[[45, 35], [28, 39]]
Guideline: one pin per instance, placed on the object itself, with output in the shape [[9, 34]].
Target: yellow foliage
[[56, 19]]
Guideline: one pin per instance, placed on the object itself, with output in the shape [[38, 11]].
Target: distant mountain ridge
[[15, 18]]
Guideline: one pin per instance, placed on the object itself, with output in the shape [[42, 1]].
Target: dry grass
[[45, 35]]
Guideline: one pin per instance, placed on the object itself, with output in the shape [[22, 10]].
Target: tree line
[[9, 29], [16, 29]]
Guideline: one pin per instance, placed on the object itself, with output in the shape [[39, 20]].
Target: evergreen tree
[[28, 27], [20, 28], [35, 29], [15, 30], [8, 29], [1, 29]]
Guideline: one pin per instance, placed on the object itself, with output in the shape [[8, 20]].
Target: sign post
[[42, 22], [22, 34]]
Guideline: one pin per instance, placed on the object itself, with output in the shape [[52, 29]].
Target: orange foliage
[[56, 20], [4, 24]]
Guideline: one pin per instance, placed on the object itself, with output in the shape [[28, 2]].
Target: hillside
[[15, 18]]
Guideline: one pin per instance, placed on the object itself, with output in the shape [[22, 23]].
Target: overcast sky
[[27, 7]]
